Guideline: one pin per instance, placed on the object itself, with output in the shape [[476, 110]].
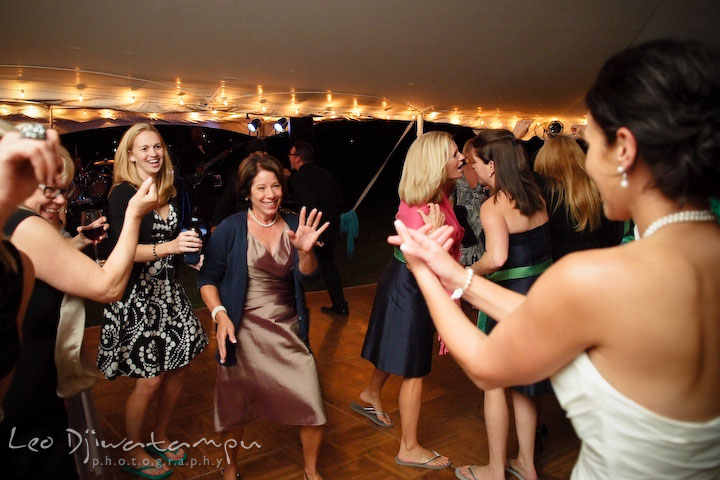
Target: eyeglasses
[[293, 154], [52, 192]]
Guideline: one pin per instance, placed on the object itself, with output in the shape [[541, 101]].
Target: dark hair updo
[[667, 93], [248, 170]]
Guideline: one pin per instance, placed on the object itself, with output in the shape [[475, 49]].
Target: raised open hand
[[307, 233]]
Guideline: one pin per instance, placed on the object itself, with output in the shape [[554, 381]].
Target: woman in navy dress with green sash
[[518, 250]]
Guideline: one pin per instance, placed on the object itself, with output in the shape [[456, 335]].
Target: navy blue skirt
[[525, 249], [399, 338]]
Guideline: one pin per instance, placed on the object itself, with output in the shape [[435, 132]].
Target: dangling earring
[[624, 180]]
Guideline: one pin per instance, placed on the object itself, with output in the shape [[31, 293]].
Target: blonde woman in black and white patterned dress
[[152, 333]]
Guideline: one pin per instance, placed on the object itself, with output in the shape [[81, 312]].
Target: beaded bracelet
[[458, 292], [155, 251], [217, 310]]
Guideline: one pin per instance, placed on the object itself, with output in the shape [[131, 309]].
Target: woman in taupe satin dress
[[251, 281]]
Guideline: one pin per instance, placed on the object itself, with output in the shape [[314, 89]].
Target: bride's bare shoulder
[[592, 272]]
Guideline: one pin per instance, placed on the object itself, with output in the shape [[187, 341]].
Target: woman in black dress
[[152, 332], [400, 334], [517, 243], [23, 162], [32, 408], [573, 201]]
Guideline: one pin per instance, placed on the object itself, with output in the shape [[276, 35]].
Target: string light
[[22, 93]]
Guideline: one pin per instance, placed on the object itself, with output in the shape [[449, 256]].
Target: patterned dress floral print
[[471, 199], [153, 329]]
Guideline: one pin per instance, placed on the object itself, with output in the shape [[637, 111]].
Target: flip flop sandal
[[371, 414], [513, 472], [425, 464], [140, 471], [153, 450], [459, 475]]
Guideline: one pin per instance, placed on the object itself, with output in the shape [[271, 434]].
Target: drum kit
[[92, 184]]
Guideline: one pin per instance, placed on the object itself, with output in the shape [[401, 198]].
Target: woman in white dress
[[629, 334]]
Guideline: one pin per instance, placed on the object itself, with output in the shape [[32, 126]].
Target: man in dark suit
[[314, 187]]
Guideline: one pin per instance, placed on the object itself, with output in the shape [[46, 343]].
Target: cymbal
[[104, 162]]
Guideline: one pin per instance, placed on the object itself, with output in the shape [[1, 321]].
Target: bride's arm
[[536, 335]]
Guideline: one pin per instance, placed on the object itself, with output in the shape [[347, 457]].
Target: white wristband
[[215, 311], [458, 292]]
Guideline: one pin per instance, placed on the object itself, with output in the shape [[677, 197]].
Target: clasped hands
[[426, 252]]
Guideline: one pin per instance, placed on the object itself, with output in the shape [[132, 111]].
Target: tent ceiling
[[459, 61]]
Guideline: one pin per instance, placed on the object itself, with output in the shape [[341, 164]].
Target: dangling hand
[[307, 233]]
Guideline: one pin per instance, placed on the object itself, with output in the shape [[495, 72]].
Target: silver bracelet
[[459, 292]]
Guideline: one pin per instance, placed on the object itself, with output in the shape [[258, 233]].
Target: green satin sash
[[511, 274], [399, 255]]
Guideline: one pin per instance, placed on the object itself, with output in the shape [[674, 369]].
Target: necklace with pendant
[[677, 217], [264, 225]]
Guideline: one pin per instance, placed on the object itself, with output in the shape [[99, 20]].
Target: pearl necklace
[[677, 217], [264, 225]]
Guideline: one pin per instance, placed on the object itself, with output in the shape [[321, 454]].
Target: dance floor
[[451, 420]]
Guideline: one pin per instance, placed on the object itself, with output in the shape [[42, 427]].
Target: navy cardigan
[[225, 267]]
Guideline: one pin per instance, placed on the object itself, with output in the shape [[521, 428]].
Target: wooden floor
[[451, 420]]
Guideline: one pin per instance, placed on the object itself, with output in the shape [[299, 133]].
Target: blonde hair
[[126, 171], [562, 162], [68, 171], [424, 174]]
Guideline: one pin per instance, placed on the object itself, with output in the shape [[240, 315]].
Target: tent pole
[[420, 121]]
